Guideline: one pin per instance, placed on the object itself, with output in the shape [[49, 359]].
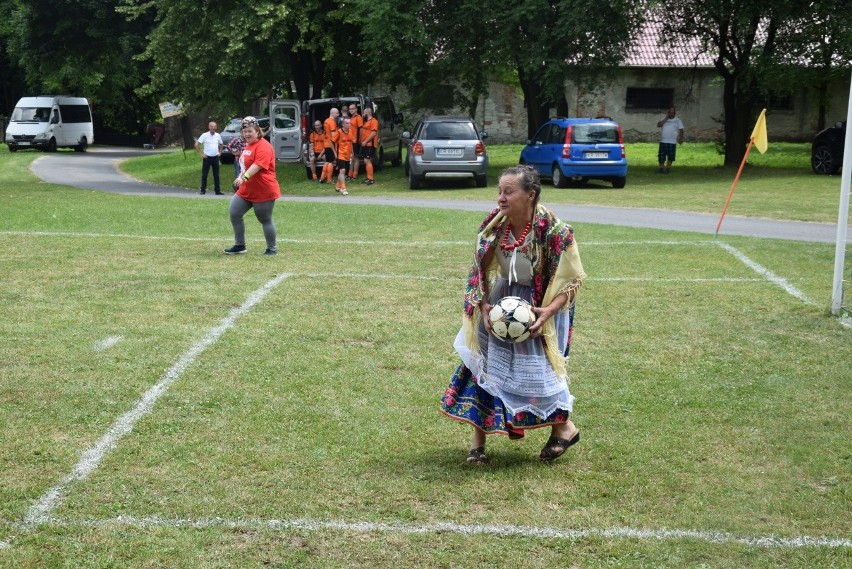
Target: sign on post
[[170, 109]]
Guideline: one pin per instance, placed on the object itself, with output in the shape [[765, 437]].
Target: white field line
[[107, 343], [91, 458], [469, 243], [766, 541], [844, 321], [767, 274]]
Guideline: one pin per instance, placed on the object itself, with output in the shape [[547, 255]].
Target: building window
[[642, 98]]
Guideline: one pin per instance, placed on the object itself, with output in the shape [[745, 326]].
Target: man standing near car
[[369, 138], [671, 134], [209, 147]]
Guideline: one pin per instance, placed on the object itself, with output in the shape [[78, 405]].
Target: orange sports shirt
[[370, 127], [330, 126], [355, 129], [343, 141], [317, 140]]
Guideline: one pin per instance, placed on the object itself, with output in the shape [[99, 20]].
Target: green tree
[[544, 43], [744, 36], [83, 48], [222, 54], [818, 43], [550, 42], [11, 74]]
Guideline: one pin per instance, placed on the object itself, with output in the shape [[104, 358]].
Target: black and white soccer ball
[[511, 318]]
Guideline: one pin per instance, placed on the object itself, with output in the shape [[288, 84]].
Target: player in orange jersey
[[330, 128], [343, 140], [369, 139], [317, 140], [357, 122]]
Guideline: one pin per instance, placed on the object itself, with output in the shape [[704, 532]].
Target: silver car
[[446, 147]]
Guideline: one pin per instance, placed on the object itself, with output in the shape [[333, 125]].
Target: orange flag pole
[[758, 139], [733, 187]]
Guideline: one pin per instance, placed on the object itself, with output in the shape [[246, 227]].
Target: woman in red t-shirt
[[256, 188]]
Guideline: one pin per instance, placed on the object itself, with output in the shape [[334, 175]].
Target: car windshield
[[595, 133], [232, 127], [449, 131], [30, 114]]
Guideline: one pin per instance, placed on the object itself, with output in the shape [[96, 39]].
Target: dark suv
[[577, 150], [827, 149]]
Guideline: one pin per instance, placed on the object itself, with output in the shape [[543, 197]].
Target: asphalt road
[[97, 169]]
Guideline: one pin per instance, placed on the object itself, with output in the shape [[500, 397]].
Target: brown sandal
[[556, 447], [477, 456]]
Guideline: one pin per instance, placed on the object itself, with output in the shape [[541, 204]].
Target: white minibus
[[49, 122]]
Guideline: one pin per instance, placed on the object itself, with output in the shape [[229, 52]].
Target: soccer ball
[[511, 319]]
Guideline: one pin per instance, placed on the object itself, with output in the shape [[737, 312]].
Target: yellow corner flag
[[758, 135]]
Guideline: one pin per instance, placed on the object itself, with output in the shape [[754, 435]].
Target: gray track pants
[[262, 210]]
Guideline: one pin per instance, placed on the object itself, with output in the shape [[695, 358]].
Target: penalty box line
[[493, 530], [768, 275], [91, 458]]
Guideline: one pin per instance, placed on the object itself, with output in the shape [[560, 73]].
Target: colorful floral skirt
[[465, 401]]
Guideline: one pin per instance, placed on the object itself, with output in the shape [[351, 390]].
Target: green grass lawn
[[713, 404], [778, 184]]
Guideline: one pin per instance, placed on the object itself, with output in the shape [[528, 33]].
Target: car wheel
[[13, 149], [413, 181], [823, 160], [83, 146], [398, 160], [51, 145], [559, 179], [482, 181], [619, 183]]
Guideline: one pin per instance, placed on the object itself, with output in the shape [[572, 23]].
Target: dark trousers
[[210, 162]]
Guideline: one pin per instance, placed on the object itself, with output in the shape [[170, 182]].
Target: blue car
[[577, 150]]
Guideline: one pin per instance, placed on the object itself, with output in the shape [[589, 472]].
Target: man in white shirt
[[671, 134], [209, 147]]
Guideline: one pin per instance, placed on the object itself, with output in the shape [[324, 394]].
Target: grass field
[[164, 405], [778, 184]]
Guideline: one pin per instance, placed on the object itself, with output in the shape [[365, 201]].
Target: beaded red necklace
[[518, 242]]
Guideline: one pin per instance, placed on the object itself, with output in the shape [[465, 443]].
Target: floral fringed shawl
[[556, 269]]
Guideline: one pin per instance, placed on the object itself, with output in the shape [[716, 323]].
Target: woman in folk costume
[[522, 250]]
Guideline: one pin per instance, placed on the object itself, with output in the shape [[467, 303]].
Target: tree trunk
[[739, 107], [538, 110], [822, 98]]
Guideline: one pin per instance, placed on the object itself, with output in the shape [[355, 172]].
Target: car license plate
[[593, 155], [449, 152], [23, 143]]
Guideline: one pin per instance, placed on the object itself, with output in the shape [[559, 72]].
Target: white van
[[49, 122]]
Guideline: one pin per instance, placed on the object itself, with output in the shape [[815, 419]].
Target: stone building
[[638, 94]]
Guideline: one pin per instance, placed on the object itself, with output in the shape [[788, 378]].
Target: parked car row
[[564, 150]]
